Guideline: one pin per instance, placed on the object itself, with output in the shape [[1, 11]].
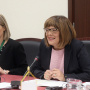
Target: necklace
[[2, 45]]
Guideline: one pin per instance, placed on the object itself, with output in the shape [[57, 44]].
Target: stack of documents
[[86, 83], [52, 83], [36, 82], [32, 84], [5, 85]]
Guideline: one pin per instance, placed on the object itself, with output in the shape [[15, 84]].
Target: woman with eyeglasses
[[12, 55], [61, 55]]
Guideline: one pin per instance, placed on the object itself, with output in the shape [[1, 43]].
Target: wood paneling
[[79, 14]]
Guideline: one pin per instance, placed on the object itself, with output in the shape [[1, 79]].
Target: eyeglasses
[[53, 30]]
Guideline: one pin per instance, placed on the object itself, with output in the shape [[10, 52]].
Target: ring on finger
[[54, 74], [46, 76]]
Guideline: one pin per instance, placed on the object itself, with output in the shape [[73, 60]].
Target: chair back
[[31, 47], [87, 45], [86, 41]]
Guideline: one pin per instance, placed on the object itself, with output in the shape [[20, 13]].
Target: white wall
[[26, 17]]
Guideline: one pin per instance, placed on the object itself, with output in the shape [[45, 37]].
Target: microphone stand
[[28, 70], [27, 74]]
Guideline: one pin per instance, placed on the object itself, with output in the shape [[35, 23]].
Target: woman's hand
[[3, 71], [48, 74], [57, 74]]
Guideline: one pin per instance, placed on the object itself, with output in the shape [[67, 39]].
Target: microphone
[[28, 69], [16, 84], [36, 59]]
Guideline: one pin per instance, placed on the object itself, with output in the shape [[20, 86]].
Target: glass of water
[[87, 87], [74, 84]]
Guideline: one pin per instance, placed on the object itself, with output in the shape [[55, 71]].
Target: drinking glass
[[74, 84], [87, 87]]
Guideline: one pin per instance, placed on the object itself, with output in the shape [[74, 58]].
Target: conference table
[[9, 78]]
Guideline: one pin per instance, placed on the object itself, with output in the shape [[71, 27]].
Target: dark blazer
[[76, 61], [13, 58]]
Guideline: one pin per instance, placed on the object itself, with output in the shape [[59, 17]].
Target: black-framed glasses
[[53, 30]]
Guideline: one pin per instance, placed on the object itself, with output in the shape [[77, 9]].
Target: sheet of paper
[[5, 85], [86, 83], [51, 83], [41, 82], [29, 85]]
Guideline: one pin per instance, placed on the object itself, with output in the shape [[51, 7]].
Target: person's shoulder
[[76, 43], [14, 42], [42, 40], [43, 44]]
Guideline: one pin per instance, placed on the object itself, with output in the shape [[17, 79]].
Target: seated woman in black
[[12, 56], [61, 56]]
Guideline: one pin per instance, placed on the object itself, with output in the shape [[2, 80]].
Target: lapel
[[67, 57], [49, 56]]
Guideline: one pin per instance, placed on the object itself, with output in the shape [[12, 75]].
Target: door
[[79, 15]]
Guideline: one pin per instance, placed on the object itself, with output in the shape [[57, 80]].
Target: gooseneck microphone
[[36, 59], [16, 84], [28, 69]]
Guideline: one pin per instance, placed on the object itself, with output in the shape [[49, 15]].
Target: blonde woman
[[12, 56]]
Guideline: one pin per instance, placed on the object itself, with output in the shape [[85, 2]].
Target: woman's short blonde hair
[[4, 24], [66, 30]]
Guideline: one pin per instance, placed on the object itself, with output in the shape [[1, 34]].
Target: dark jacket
[[13, 58], [76, 61]]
